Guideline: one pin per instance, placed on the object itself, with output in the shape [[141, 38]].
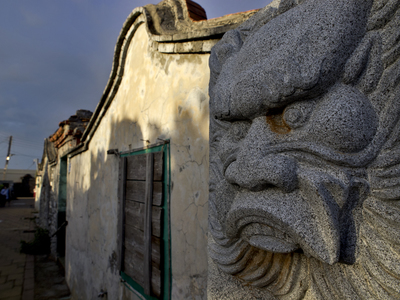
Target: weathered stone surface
[[304, 153]]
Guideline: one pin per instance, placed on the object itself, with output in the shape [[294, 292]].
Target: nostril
[[234, 184], [260, 187], [276, 121]]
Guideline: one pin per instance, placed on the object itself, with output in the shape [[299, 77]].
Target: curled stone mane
[[355, 256]]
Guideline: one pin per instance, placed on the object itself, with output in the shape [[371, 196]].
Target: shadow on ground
[[49, 280]]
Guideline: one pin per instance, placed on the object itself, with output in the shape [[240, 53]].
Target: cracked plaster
[[161, 96]]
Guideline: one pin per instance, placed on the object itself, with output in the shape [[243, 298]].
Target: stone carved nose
[[254, 169]]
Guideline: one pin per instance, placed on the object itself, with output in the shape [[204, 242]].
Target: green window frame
[[165, 260]]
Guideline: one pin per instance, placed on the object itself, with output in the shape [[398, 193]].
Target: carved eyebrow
[[230, 117], [222, 108]]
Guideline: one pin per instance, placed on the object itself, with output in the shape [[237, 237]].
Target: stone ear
[[364, 68]]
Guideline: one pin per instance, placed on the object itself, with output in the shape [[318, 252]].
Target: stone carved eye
[[295, 115]]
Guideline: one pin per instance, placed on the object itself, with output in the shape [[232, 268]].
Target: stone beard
[[305, 153]]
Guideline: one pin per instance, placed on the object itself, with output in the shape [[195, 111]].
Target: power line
[[20, 139], [28, 146], [25, 155], [30, 166], [28, 143]]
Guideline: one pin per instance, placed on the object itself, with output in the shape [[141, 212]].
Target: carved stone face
[[271, 161], [303, 107], [286, 116]]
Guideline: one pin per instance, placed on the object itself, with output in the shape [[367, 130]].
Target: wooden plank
[[156, 221], [147, 223], [121, 204], [135, 191], [156, 281], [134, 268], [134, 213], [134, 265], [136, 167], [134, 241], [158, 166], [157, 193]]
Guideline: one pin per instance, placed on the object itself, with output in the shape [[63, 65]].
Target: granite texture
[[304, 153]]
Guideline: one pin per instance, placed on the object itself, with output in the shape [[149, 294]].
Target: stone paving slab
[[28, 291], [14, 220]]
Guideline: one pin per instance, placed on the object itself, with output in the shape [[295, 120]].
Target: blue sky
[[55, 58]]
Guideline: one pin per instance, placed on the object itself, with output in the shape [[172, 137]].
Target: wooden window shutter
[[142, 219]]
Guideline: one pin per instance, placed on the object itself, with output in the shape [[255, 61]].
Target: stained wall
[[160, 97]]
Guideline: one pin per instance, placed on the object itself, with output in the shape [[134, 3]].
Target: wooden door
[[143, 224]]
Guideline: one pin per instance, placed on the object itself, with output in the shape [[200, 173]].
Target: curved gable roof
[[171, 30]]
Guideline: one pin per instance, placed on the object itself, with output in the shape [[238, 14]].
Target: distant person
[[6, 194], [2, 197]]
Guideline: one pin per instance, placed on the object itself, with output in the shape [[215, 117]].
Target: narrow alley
[[17, 270]]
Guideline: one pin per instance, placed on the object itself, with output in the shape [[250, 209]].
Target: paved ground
[[49, 280], [25, 277], [16, 269]]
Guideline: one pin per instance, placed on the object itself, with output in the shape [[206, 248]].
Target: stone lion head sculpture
[[305, 151]]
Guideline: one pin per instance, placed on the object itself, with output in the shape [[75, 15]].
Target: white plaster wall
[[38, 189], [40, 194], [161, 96]]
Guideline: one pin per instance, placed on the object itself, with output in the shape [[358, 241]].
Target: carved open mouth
[[268, 238], [282, 222]]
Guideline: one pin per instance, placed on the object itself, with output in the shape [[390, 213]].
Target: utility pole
[[7, 158]]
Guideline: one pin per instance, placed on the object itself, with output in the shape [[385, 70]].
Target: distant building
[[15, 175], [21, 182], [50, 197]]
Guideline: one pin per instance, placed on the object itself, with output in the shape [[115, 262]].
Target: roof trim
[[183, 35]]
